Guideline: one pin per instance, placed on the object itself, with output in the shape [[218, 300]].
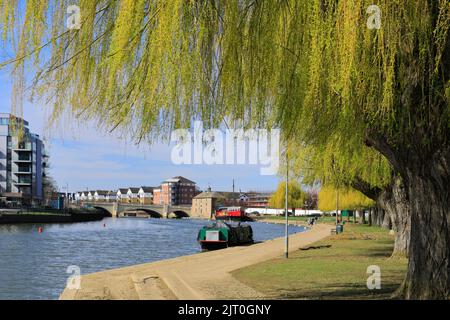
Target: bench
[[333, 231]]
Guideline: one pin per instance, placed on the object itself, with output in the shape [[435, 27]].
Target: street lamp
[[337, 206], [286, 247]]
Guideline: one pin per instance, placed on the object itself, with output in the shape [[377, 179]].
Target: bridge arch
[[151, 213], [178, 214], [105, 211]]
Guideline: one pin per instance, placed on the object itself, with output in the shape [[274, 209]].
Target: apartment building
[[81, 196], [22, 162], [157, 199], [257, 199], [133, 195], [122, 195], [175, 191], [101, 195], [111, 196], [146, 195]]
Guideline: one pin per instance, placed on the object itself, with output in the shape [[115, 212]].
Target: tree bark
[[394, 200], [428, 275], [386, 223], [377, 216], [425, 171]]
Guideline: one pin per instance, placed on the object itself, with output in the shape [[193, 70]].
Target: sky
[[82, 157]]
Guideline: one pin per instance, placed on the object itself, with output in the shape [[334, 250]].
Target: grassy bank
[[335, 269], [330, 220], [52, 216]]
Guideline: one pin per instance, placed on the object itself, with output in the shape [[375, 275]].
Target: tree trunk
[[428, 275], [370, 216], [386, 223], [373, 216], [377, 216], [425, 170], [394, 200]]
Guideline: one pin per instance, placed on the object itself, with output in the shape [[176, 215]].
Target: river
[[34, 265]]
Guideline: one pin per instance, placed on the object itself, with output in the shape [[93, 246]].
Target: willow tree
[[348, 199], [350, 164], [296, 196], [315, 68]]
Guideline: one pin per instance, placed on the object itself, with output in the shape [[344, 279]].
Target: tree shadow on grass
[[378, 252], [339, 291]]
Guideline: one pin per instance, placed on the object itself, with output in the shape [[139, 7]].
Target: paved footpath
[[204, 275]]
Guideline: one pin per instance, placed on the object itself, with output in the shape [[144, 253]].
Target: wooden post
[[337, 206]]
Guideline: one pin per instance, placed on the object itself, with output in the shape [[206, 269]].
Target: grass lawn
[[34, 213], [324, 219], [335, 271]]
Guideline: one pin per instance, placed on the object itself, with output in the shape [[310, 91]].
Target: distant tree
[[49, 187], [296, 196], [348, 199]]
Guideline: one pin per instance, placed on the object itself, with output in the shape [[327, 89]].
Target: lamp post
[[337, 205], [286, 247]]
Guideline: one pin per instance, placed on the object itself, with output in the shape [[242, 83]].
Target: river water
[[34, 265]]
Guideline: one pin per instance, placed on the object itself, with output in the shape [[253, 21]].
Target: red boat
[[232, 213]]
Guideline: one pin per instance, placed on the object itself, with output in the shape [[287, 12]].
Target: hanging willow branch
[[313, 68]]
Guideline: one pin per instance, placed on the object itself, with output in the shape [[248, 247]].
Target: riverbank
[[333, 268], [296, 221], [204, 275], [18, 217]]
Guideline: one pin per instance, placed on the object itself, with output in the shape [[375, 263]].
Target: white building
[[133, 195], [121, 195], [100, 195], [90, 195], [145, 195], [111, 196], [22, 162]]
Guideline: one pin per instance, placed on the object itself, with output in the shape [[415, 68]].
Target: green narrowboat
[[221, 234]]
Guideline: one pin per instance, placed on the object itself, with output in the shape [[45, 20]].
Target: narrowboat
[[232, 213], [221, 234]]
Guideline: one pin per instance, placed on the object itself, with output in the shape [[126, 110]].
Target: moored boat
[[220, 235], [232, 213]]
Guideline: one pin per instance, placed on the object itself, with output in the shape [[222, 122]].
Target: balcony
[[24, 146], [22, 159], [22, 171], [23, 183]]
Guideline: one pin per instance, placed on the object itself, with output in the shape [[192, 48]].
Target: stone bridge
[[118, 209]]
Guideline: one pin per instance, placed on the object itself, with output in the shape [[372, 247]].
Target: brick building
[[205, 204], [175, 191]]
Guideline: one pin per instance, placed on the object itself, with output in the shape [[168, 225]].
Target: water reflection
[[33, 265]]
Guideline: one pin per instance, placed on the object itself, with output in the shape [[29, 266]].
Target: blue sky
[[83, 157]]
